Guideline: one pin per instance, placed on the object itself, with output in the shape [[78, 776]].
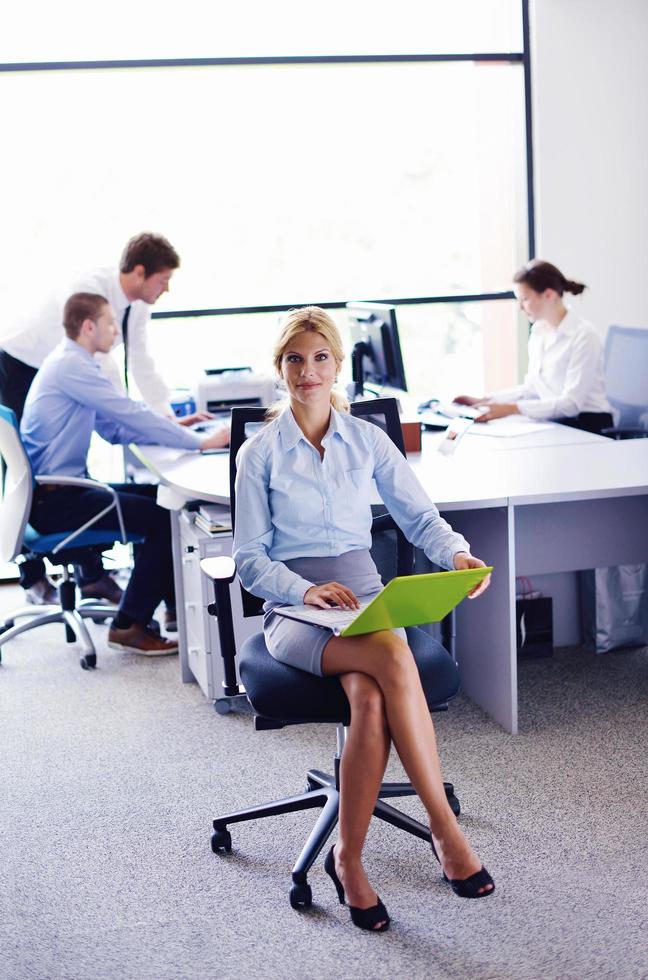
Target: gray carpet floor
[[110, 780]]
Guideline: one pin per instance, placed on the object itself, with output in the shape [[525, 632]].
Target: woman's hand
[[468, 400], [463, 560], [498, 410], [331, 594]]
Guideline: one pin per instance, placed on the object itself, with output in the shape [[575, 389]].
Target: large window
[[282, 174]]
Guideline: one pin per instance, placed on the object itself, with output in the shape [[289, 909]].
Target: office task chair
[[281, 695], [17, 537], [626, 381]]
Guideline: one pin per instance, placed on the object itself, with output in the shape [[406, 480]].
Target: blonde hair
[[308, 319]]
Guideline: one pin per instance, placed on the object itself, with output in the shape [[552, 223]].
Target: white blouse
[[565, 374]]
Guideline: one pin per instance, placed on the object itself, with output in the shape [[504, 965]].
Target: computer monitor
[[376, 353]]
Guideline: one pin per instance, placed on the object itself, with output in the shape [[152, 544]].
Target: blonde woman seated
[[303, 534], [564, 381]]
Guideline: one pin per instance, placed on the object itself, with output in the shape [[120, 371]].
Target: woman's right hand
[[331, 594], [467, 400]]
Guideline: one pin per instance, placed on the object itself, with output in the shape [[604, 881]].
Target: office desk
[[527, 511]]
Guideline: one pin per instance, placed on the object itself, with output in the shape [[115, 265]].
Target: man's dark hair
[[154, 252], [80, 307]]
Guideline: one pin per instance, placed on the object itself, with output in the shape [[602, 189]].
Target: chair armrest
[[78, 481], [219, 568], [222, 571]]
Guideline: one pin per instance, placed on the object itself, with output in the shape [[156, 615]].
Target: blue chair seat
[[283, 693], [43, 544]]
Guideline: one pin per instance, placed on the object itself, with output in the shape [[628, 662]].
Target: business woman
[[564, 381], [303, 533]]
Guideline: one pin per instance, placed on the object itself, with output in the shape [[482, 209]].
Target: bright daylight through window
[[279, 183]]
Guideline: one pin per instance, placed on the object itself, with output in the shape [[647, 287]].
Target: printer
[[220, 389]]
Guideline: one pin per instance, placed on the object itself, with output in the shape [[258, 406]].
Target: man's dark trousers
[[151, 580]]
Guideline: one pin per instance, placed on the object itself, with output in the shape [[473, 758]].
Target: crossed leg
[[395, 694]]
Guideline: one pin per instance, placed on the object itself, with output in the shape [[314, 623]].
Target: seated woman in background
[[303, 533], [564, 381]]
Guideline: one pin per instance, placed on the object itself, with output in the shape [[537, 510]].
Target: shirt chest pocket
[[353, 487]]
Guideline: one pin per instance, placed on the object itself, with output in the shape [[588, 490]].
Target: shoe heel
[[329, 867]]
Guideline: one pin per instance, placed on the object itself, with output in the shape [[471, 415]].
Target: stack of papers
[[213, 518], [508, 427]]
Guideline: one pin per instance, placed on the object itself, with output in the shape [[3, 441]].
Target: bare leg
[[388, 660], [364, 758]]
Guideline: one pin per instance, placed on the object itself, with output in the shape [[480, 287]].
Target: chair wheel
[[301, 897], [221, 840], [8, 623], [455, 806], [89, 661], [222, 706]]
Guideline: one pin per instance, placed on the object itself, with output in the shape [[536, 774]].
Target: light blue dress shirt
[[69, 398], [292, 504]]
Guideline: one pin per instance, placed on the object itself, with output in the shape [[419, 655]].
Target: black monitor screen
[[376, 352]]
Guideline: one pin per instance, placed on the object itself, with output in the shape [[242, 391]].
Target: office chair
[[281, 695], [626, 385], [17, 537]]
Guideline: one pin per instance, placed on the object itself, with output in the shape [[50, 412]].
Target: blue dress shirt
[[69, 398], [292, 504]]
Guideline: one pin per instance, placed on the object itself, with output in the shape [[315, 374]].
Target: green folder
[[407, 600]]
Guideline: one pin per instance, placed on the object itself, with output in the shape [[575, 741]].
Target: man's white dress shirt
[[565, 375], [42, 331]]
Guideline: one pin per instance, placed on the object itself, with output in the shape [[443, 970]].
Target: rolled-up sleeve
[[254, 533], [410, 506]]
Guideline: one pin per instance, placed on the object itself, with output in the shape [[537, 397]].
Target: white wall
[[590, 121], [590, 79]]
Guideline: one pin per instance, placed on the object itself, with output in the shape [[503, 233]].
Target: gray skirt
[[302, 644]]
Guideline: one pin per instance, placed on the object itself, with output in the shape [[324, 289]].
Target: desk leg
[[185, 671], [486, 643]]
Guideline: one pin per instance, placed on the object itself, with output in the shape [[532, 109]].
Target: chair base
[[73, 620], [322, 791]]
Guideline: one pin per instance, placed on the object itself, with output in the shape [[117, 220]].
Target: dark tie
[[124, 328]]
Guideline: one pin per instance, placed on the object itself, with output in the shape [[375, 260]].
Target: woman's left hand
[[498, 410], [463, 560]]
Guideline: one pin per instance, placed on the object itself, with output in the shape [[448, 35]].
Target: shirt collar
[[291, 433], [68, 344]]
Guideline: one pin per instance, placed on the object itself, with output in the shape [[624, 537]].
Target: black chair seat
[[282, 693]]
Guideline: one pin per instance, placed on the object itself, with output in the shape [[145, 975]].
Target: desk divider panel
[[488, 673]]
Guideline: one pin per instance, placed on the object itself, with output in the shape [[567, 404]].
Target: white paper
[[507, 427]]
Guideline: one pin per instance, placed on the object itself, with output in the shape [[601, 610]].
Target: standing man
[[145, 270], [68, 400]]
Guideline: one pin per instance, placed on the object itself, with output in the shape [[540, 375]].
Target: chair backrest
[[380, 411], [18, 485], [626, 374]]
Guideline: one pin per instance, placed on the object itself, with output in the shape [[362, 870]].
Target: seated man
[[68, 399]]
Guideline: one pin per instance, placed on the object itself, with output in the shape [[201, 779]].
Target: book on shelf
[[213, 518]]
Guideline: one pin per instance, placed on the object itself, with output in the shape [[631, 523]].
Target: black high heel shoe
[[362, 918], [468, 887]]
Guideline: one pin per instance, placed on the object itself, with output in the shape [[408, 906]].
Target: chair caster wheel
[[301, 897], [89, 661], [454, 805], [221, 840], [222, 706], [8, 623]]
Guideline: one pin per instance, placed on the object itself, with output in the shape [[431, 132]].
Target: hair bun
[[574, 287]]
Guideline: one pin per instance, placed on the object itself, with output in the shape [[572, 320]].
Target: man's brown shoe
[[140, 639], [104, 588]]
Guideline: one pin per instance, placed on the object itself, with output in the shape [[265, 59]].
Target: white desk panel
[[576, 503]]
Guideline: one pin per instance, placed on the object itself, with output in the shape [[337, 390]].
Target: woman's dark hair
[[80, 307], [154, 252], [539, 275]]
